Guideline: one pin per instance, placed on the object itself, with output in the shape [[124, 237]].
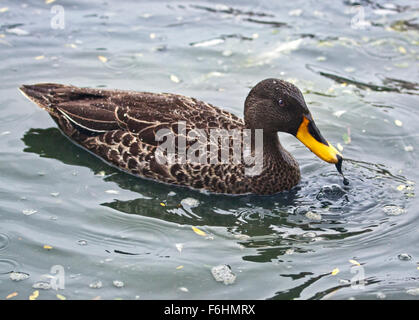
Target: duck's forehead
[[287, 88]]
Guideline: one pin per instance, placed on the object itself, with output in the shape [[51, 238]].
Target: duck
[[183, 141]]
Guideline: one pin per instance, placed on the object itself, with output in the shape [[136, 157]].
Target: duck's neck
[[273, 152]]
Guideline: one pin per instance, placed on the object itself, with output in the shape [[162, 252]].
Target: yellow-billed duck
[[122, 128]]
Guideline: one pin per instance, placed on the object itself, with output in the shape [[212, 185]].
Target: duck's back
[[121, 128]]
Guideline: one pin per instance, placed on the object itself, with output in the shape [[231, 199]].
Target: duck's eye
[[281, 103]]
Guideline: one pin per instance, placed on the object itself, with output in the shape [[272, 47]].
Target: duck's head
[[276, 105]]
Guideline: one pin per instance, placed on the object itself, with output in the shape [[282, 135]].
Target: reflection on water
[[357, 68]]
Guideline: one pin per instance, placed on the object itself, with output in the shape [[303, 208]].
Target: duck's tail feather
[[41, 94]]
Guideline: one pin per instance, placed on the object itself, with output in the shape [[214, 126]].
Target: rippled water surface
[[357, 65]]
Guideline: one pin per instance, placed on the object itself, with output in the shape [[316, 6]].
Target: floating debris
[[313, 216], [100, 174], [17, 31], [227, 53], [242, 236], [118, 283], [222, 273], [28, 212], [39, 57], [152, 36], [354, 262], [171, 194], [393, 210], [190, 202], [335, 271], [321, 58], [102, 59], [112, 191], [309, 234], [401, 187], [11, 295], [179, 267], [174, 78], [380, 295], [61, 297], [162, 204], [179, 246], [54, 194], [402, 50], [74, 46], [96, 284], [82, 242], [199, 232], [184, 289], [339, 113], [4, 9], [42, 285], [404, 257], [398, 123], [47, 247], [289, 251], [413, 292], [295, 12], [49, 1], [408, 148], [339, 146], [18, 276], [207, 43], [34, 295]]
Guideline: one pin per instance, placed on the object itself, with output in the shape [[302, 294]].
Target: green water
[[358, 70]]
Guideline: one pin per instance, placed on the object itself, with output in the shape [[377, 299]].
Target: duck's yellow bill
[[310, 136]]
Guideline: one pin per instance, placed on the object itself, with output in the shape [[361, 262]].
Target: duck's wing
[[140, 113]]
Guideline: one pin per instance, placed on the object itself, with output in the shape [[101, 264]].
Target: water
[[61, 206]]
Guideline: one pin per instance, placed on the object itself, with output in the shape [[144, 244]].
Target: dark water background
[[358, 69]]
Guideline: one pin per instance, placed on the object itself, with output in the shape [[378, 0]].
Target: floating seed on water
[[222, 273], [380, 295]]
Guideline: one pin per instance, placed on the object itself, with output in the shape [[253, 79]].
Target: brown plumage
[[120, 127]]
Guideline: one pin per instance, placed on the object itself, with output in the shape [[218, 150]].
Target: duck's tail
[[41, 94]]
